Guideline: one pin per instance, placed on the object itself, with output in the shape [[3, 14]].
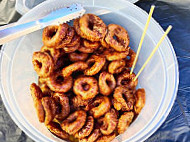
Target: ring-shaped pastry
[[95, 64], [86, 87], [92, 27], [58, 83], [74, 122], [106, 83], [53, 35], [121, 42], [43, 63]]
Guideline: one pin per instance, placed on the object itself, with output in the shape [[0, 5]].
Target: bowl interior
[[24, 73], [21, 73]]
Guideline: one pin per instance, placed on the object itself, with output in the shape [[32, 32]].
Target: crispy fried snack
[[92, 137], [71, 49], [112, 55], [78, 56], [77, 66], [107, 83], [116, 66], [90, 44], [54, 53], [87, 128], [74, 122], [123, 99], [37, 96], [121, 42], [124, 121], [92, 27], [109, 122], [56, 129], [58, 83], [68, 37], [50, 109], [126, 79], [84, 49], [86, 87], [44, 88], [79, 103], [63, 100], [101, 105], [53, 35], [140, 100], [77, 27], [95, 64], [43, 63], [106, 138]]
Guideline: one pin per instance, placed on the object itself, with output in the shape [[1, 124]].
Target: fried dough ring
[[123, 99], [92, 137], [109, 122], [101, 105], [77, 28], [44, 88], [79, 103], [55, 128], [70, 34], [107, 83], [53, 35], [74, 122], [50, 109], [90, 44], [63, 100], [74, 57], [92, 27], [132, 55], [106, 138], [97, 61], [105, 67], [87, 128], [77, 66], [104, 43], [54, 53], [71, 49], [140, 100], [62, 61], [37, 96], [122, 41], [43, 63], [116, 66], [84, 49], [58, 83], [126, 79], [75, 40], [86, 87], [115, 55], [124, 122], [99, 51], [42, 80]]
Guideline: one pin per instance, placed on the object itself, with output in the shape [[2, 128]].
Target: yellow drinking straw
[[142, 37], [152, 53]]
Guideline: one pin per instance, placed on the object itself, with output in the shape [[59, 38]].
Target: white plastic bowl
[[160, 77], [23, 6]]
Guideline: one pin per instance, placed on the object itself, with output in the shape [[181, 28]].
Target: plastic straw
[[142, 37], [152, 53]]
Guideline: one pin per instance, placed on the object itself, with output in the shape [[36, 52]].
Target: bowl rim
[[148, 134]]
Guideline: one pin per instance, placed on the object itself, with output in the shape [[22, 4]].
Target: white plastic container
[[23, 6], [160, 77]]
